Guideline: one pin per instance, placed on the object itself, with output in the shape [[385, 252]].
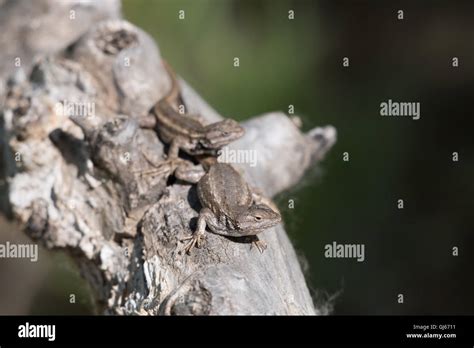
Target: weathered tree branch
[[79, 183]]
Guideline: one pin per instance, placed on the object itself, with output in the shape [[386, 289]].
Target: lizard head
[[256, 219], [222, 133]]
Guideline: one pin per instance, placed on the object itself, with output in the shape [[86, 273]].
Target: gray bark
[[77, 183]]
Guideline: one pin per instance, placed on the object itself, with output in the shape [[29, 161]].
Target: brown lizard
[[231, 208], [184, 132]]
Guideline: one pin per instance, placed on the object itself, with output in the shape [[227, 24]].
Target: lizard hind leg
[[148, 121], [173, 149], [189, 173]]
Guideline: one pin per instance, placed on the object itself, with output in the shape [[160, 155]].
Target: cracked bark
[[78, 184]]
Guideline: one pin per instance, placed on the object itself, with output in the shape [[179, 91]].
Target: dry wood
[[76, 183]]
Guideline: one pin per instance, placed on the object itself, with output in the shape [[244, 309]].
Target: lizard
[[230, 208], [235, 211], [185, 132]]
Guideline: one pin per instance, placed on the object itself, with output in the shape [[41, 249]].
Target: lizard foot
[[194, 240], [260, 245]]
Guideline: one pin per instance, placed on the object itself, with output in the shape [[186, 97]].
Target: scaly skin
[[185, 132], [230, 208]]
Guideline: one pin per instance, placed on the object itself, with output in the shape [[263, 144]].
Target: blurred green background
[[299, 62]]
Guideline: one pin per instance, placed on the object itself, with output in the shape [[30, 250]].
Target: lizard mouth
[[225, 138], [222, 133], [253, 229]]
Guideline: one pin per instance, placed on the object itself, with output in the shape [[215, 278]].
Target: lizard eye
[[258, 218]]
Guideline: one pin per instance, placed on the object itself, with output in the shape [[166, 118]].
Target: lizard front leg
[[206, 216], [259, 244]]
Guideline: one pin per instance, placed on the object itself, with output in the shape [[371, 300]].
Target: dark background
[[299, 62]]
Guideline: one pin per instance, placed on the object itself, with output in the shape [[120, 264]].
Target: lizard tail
[[174, 94]]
